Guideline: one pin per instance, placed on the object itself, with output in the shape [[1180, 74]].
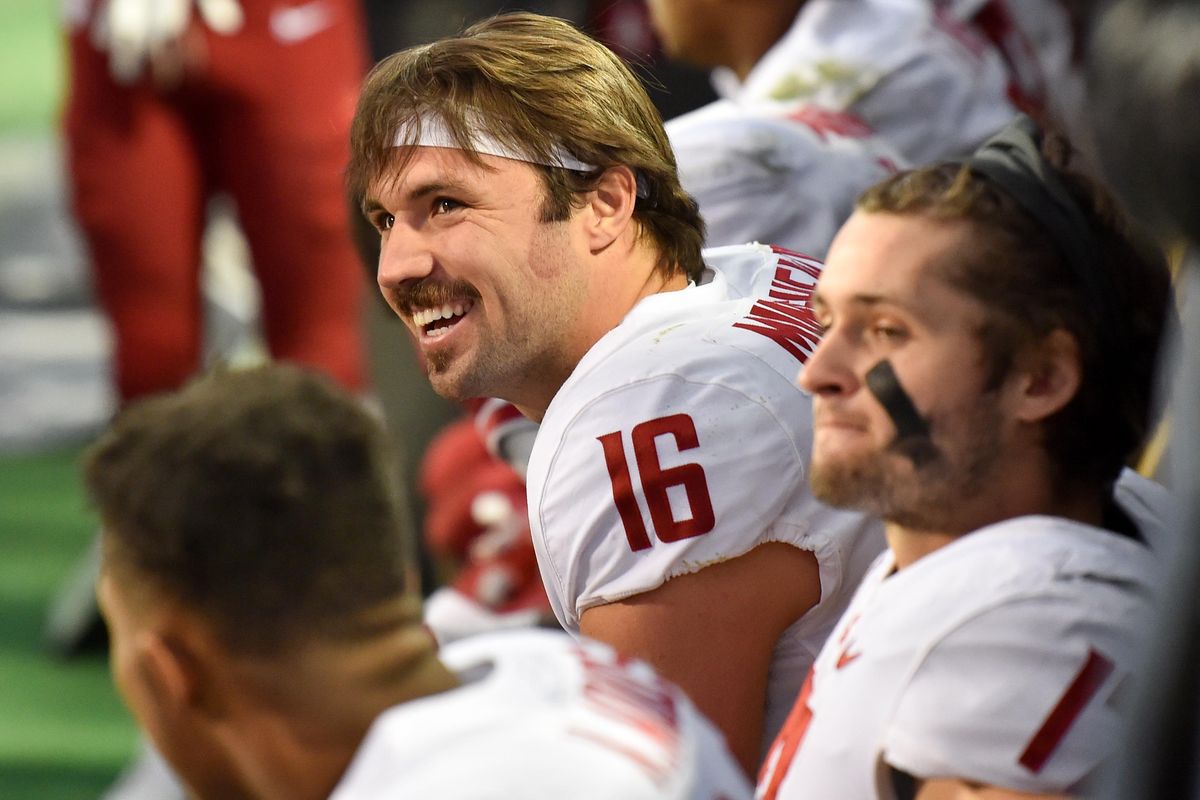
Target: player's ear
[[611, 206], [1048, 376], [175, 668], [167, 670]]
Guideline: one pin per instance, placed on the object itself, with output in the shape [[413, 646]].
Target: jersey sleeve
[[1020, 697], [667, 475], [764, 173]]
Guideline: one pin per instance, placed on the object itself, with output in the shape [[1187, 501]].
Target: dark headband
[[1012, 159]]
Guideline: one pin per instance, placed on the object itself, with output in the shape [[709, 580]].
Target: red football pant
[[264, 120]]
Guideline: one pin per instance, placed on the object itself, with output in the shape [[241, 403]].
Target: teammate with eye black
[[991, 331]]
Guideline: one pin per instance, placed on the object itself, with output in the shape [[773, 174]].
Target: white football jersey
[[770, 172], [995, 659], [855, 89], [681, 440], [926, 75], [541, 717]]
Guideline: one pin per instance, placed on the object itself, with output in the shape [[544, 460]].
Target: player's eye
[[382, 221], [888, 333], [444, 205]]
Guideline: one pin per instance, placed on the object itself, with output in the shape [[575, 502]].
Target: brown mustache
[[428, 293], [827, 416]]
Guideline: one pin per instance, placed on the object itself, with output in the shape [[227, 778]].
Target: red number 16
[[656, 481]]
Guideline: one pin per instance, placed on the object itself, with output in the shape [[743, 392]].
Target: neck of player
[[614, 293], [760, 26], [1018, 486], [296, 738]]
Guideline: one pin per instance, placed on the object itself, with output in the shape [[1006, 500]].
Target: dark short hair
[[264, 499], [540, 86], [1018, 272]]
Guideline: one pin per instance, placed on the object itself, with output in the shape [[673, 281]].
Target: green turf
[[63, 732], [32, 65]]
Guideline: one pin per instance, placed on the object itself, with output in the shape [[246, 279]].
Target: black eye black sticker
[[912, 430]]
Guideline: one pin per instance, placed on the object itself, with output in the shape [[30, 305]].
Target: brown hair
[[1020, 274], [539, 86], [264, 499]]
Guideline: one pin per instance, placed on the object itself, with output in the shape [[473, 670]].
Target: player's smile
[[434, 308], [436, 322]]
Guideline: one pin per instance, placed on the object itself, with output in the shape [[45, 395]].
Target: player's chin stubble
[[439, 367], [458, 376], [925, 496], [860, 484]]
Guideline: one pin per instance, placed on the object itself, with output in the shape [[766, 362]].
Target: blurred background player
[[987, 370], [819, 99], [255, 584], [1142, 63], [171, 103], [476, 526], [536, 242]]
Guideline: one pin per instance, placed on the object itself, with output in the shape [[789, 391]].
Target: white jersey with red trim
[[680, 441], [933, 78], [769, 172], [994, 659], [541, 717], [855, 89]]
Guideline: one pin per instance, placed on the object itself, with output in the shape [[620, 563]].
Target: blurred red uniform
[[263, 114], [477, 522]]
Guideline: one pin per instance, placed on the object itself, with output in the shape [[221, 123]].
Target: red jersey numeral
[[656, 481], [779, 757]]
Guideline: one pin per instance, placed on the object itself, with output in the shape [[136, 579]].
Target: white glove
[[136, 31]]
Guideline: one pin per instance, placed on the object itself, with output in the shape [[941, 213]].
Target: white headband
[[434, 133]]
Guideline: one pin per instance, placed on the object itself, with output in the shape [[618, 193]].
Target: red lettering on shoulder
[[784, 315], [788, 289], [791, 326], [796, 260]]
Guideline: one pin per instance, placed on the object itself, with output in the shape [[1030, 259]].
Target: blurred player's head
[[251, 548], [526, 196], [969, 341], [544, 90], [1143, 89], [715, 33]]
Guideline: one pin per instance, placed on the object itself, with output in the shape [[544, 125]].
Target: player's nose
[[830, 368], [403, 256]]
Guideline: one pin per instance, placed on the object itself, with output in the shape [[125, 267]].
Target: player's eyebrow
[[428, 188], [370, 205], [864, 299], [868, 300]]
